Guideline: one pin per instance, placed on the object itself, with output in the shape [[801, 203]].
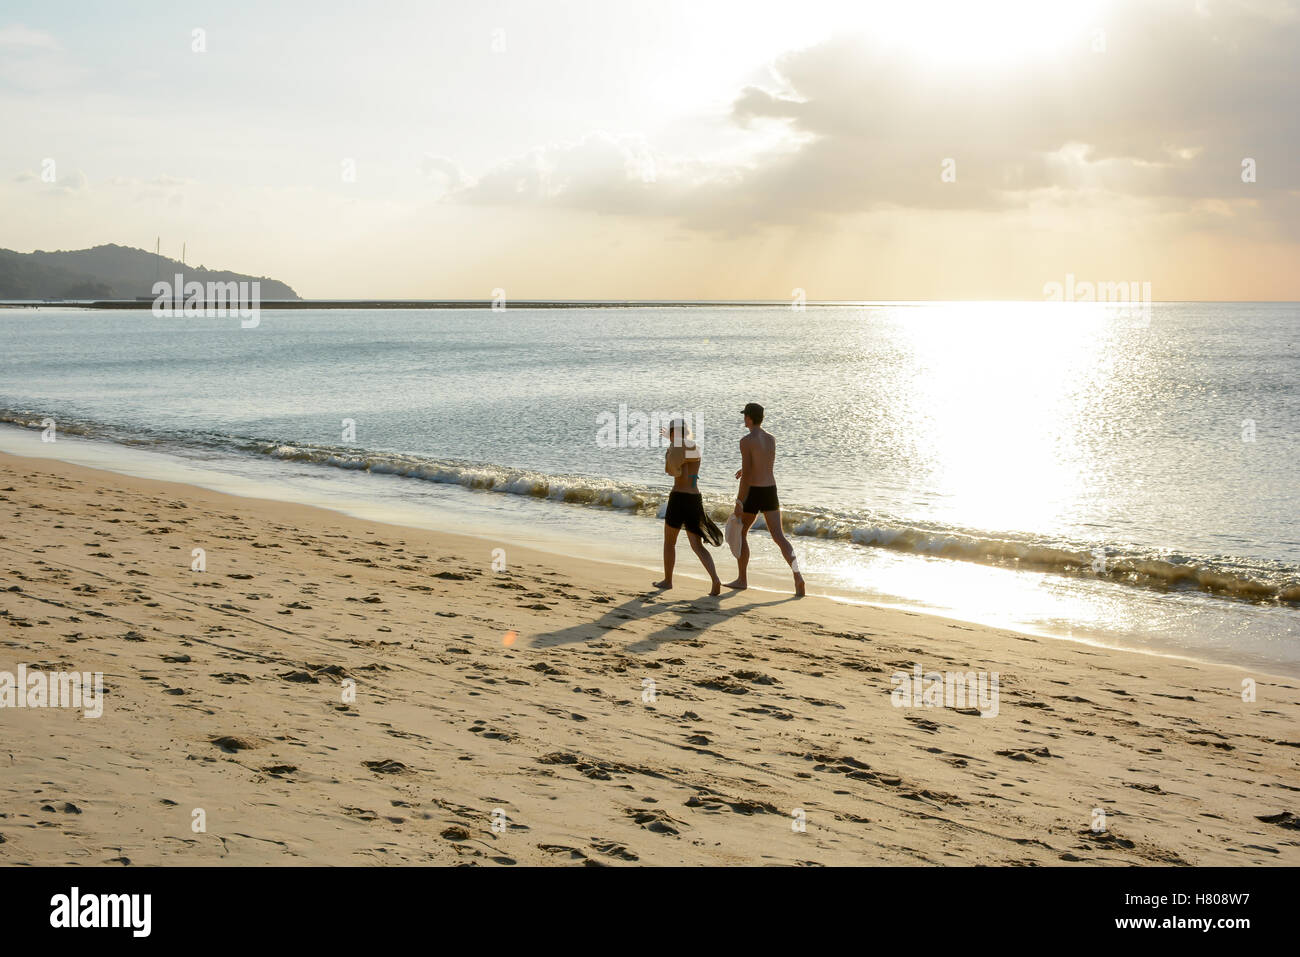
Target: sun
[[960, 32]]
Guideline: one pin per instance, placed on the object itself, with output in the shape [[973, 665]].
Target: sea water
[[1059, 468]]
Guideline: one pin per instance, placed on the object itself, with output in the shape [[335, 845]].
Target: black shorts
[[686, 510], [760, 498]]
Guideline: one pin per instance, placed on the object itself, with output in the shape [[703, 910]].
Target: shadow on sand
[[689, 618]]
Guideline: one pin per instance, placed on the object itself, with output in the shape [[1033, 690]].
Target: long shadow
[[650, 605]]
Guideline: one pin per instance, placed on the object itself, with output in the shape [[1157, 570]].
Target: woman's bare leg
[[702, 553], [670, 556]]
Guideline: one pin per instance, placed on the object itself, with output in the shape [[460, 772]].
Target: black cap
[[754, 411]]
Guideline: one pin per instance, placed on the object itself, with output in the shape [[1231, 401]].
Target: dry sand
[[499, 716]]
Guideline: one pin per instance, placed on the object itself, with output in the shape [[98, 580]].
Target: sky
[[683, 149]]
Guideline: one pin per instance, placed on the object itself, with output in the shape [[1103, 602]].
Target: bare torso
[[757, 455]]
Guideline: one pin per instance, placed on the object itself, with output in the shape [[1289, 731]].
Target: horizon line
[[412, 302]]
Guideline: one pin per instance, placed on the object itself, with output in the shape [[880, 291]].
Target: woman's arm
[[673, 460]]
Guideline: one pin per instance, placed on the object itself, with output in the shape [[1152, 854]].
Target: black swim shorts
[[761, 498], [686, 510]]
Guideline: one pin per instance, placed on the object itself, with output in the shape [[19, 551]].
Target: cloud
[[1166, 113], [72, 184], [602, 172], [160, 189], [442, 170], [49, 181], [20, 36], [34, 61], [755, 102]]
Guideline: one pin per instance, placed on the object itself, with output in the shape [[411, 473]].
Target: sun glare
[[956, 32]]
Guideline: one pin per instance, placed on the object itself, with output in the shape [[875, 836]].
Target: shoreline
[[767, 575], [522, 690]]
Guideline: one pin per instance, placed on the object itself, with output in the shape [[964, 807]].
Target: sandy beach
[[558, 711]]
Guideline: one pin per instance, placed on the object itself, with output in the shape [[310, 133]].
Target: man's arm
[[744, 475]]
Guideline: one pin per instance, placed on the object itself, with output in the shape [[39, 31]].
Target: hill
[[107, 272]]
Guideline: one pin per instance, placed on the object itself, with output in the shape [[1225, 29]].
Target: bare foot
[[665, 585], [738, 584], [717, 587], [798, 585]]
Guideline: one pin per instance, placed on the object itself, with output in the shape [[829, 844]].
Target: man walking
[[758, 494]]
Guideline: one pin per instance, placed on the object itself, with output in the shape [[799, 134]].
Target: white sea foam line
[[109, 457]]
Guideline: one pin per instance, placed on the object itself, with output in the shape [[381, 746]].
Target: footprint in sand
[[572, 852], [657, 821], [67, 807], [612, 849], [1281, 819], [387, 766]]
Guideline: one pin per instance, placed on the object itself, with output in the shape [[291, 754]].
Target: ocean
[[1057, 468]]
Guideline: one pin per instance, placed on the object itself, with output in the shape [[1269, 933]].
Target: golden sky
[[557, 149]]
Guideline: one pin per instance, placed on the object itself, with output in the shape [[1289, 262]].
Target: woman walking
[[686, 506]]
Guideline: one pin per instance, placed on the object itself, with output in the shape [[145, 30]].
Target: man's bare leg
[[702, 553], [670, 556], [746, 520], [773, 522]]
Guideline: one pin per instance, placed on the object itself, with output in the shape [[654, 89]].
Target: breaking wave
[[1247, 579]]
